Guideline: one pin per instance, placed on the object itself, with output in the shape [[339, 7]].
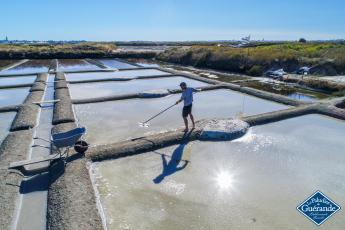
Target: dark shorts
[[186, 110]]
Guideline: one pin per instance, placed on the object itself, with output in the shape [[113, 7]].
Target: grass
[[329, 58], [55, 51]]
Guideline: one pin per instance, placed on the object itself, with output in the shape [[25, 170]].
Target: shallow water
[[75, 65], [255, 182], [29, 67], [151, 65], [102, 89], [17, 80], [112, 63], [286, 89], [301, 97], [5, 123], [108, 122], [121, 74], [13, 96]]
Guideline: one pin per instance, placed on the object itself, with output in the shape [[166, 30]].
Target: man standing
[[187, 98]]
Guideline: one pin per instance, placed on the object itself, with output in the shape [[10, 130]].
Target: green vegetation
[[85, 49], [337, 89], [327, 58], [255, 70], [302, 40]]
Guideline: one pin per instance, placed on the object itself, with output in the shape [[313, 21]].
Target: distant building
[[4, 41]]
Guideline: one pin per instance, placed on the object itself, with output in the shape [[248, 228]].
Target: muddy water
[[4, 63], [120, 74], [112, 63], [5, 123], [75, 65], [109, 122], [17, 80], [29, 67], [101, 89], [255, 182], [13, 96]]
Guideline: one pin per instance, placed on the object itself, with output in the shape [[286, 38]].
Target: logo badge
[[318, 208]]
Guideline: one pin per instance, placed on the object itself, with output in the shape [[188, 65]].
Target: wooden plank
[[17, 164], [43, 102]]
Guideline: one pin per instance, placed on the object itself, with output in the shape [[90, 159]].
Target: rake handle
[[159, 113]]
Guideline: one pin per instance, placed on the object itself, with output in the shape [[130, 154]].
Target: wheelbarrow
[[61, 143]]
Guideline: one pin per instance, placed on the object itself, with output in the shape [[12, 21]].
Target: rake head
[[143, 124], [239, 115]]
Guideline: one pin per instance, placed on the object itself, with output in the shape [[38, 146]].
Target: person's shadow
[[172, 166]]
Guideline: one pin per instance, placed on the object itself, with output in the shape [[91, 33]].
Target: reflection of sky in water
[[118, 120], [151, 65], [101, 89], [254, 182], [17, 80], [31, 66], [13, 96], [110, 75], [5, 123], [116, 64], [301, 97], [75, 64], [26, 70]]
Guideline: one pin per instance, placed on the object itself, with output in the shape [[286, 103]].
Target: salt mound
[[154, 93], [223, 129]]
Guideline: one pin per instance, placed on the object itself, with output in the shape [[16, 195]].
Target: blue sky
[[171, 20]]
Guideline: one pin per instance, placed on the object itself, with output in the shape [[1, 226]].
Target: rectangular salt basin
[[112, 63], [5, 123], [255, 182], [109, 122], [13, 96], [150, 65], [109, 75], [17, 80], [75, 65], [29, 67], [103, 89]]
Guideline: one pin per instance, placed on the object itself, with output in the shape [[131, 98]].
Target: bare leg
[[192, 118], [185, 123]]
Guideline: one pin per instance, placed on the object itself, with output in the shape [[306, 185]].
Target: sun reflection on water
[[224, 180]]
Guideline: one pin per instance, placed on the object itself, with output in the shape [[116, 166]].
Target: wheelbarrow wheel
[[81, 146]]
